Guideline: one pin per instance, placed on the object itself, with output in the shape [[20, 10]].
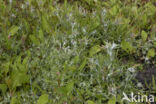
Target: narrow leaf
[[83, 64]]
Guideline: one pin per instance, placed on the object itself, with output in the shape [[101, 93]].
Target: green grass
[[74, 52]]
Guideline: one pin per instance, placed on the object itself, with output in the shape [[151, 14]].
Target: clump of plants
[[73, 52]]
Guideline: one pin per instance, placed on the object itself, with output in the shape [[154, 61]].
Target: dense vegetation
[[74, 52]]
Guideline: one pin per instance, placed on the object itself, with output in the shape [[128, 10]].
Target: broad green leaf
[[25, 61], [90, 102], [144, 35], [13, 30], [114, 10], [43, 99], [41, 36], [18, 60], [18, 78], [45, 24], [126, 46], [150, 7], [144, 20], [14, 100], [112, 100], [76, 59], [34, 39], [151, 53], [3, 88], [95, 49], [6, 66], [62, 90]]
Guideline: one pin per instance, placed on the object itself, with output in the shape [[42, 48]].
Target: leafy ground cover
[[74, 52]]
